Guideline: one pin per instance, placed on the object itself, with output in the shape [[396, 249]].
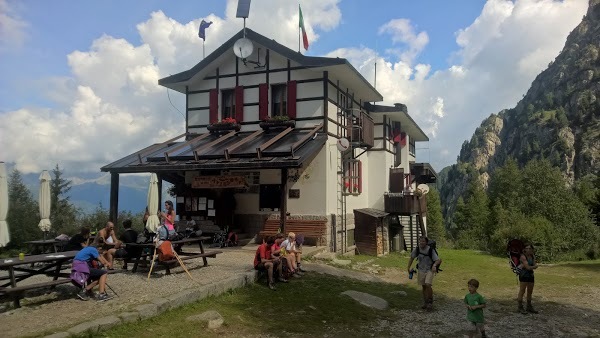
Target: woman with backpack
[[526, 278]]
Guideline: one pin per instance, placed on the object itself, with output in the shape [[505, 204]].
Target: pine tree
[[63, 214], [435, 221], [23, 212]]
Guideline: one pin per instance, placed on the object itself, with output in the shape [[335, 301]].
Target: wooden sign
[[218, 182], [294, 193]]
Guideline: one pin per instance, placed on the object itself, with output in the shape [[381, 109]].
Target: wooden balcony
[[402, 204], [361, 129]]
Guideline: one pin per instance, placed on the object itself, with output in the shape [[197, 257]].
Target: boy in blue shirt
[[475, 304], [82, 260]]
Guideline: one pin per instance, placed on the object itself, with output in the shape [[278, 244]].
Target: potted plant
[[225, 124], [277, 122]]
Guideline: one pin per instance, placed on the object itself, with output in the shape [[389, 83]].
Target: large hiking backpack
[[80, 273], [432, 248], [514, 250]]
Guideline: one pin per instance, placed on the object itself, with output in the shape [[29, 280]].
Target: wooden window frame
[[279, 92], [228, 103]]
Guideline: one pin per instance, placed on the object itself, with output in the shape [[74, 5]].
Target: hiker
[[83, 262], [263, 261], [293, 255], [427, 268], [276, 253], [128, 237], [475, 304], [74, 243], [526, 280], [108, 242]]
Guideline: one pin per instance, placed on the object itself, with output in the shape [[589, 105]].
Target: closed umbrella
[[44, 202], [4, 235], [153, 221]]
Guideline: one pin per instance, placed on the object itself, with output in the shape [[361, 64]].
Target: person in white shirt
[[293, 254]]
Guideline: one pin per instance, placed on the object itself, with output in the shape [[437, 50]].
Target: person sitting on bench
[[74, 243], [129, 236], [108, 242], [85, 258], [264, 261], [294, 256]]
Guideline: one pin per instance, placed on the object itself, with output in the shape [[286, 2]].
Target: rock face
[[558, 119]]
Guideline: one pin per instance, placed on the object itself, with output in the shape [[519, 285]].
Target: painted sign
[[218, 182]]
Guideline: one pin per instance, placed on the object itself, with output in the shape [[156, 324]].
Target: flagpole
[[202, 48], [299, 32]]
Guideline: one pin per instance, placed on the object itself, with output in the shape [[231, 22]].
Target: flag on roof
[[301, 24], [202, 31]]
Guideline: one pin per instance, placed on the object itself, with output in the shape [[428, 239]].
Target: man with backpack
[[86, 275], [427, 267]]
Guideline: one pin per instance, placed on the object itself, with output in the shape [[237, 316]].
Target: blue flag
[[202, 31]]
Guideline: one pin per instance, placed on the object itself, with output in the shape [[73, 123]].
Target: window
[[279, 100], [411, 147], [228, 103], [353, 177], [269, 196]]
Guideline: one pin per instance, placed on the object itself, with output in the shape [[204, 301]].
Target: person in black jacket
[[128, 236], [74, 243]]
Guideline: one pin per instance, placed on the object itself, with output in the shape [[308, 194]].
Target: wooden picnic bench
[[46, 264], [178, 245], [308, 228]]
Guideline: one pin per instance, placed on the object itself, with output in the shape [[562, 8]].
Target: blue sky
[[77, 71]]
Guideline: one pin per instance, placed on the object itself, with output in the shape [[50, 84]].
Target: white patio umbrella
[[44, 201], [153, 221], [4, 235]]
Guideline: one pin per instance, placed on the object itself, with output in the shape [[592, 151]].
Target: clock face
[[243, 48]]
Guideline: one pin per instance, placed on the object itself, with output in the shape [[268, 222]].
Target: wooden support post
[[114, 197], [283, 206], [160, 192]]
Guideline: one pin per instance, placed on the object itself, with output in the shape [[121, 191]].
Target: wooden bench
[[308, 228], [16, 293], [168, 264]]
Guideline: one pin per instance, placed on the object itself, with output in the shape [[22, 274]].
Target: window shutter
[[213, 115], [360, 177], [239, 103], [291, 99], [263, 101]]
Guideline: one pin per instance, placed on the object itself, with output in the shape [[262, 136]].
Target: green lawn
[[316, 303]]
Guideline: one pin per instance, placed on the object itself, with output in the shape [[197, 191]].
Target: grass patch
[[313, 306]]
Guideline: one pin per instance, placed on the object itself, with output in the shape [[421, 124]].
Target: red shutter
[[359, 177], [263, 101], [213, 115], [291, 99], [239, 103]]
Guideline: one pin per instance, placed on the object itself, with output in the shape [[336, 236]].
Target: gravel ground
[[61, 309]]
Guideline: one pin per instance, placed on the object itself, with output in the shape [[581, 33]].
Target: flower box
[[225, 125], [274, 123]]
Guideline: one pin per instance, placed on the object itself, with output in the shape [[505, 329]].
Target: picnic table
[[47, 264], [178, 245], [45, 246]]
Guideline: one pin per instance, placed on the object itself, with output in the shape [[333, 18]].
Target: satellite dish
[[424, 188], [343, 144], [243, 48]]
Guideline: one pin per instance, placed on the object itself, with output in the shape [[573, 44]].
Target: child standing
[[475, 304]]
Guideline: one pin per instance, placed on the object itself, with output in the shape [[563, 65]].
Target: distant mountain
[[558, 120], [90, 190]]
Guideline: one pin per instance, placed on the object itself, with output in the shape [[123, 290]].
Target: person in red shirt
[[264, 261]]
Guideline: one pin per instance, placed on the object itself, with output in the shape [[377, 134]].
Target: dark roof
[[399, 112], [303, 60], [290, 151], [372, 212]]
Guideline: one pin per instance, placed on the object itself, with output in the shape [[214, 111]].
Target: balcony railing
[[361, 129]]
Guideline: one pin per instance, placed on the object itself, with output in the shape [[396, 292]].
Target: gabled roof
[[398, 112], [339, 67]]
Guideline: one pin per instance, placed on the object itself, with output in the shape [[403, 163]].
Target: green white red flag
[[301, 24]]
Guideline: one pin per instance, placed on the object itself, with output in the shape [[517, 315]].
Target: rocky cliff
[[558, 119]]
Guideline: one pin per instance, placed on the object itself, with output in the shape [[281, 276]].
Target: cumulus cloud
[[498, 57], [12, 27], [111, 105]]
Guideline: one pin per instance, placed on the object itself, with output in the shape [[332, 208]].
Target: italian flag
[[301, 24]]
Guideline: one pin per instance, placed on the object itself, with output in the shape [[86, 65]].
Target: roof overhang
[[339, 68], [289, 148], [399, 113]]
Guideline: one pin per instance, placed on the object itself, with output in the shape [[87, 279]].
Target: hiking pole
[[182, 265], [111, 289], [152, 264]]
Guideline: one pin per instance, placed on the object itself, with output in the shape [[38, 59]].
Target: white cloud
[[112, 104], [12, 27], [499, 55]]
